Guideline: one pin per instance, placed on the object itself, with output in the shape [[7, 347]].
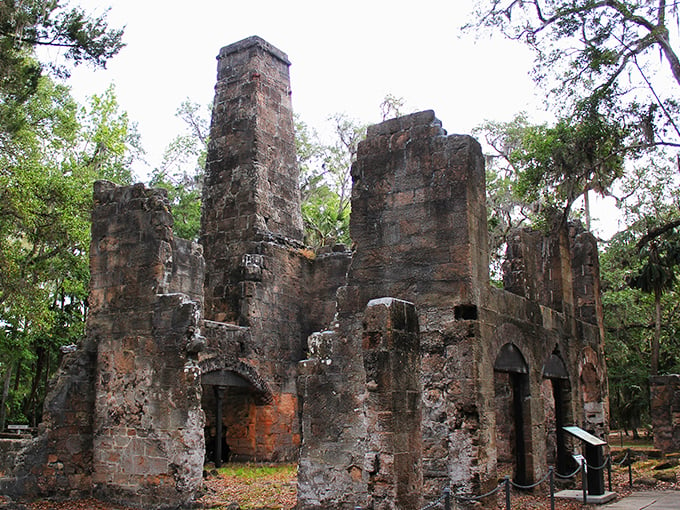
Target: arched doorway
[[230, 400], [555, 373], [513, 438]]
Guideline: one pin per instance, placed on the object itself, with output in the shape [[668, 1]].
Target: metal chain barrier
[[445, 498], [570, 475], [468, 499], [507, 483]]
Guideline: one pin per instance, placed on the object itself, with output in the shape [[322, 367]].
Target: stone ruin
[[665, 410], [387, 372]]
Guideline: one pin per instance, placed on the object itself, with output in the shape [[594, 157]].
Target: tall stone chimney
[[251, 182]]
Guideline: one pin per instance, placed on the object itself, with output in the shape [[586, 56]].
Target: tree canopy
[[51, 151], [605, 53]]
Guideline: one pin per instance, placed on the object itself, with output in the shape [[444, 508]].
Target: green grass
[[255, 471]]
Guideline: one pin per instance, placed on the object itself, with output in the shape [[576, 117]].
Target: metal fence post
[[630, 469], [551, 482], [584, 479], [447, 498], [609, 471], [507, 492]]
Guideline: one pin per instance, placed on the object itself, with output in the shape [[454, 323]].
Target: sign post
[[594, 456]]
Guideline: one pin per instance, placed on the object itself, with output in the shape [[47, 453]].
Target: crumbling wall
[[123, 417], [419, 229], [58, 462], [665, 410], [259, 274], [148, 423]]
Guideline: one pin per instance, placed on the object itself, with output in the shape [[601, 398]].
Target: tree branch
[[656, 232]]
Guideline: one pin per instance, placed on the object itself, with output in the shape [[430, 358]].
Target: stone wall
[[665, 410], [259, 277], [148, 423], [419, 230], [123, 419]]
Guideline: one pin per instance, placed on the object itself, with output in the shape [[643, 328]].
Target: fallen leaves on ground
[[257, 486], [250, 487]]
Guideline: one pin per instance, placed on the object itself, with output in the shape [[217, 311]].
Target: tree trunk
[[29, 406], [5, 396], [654, 363]]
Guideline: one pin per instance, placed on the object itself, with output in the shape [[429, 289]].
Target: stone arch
[[556, 389], [232, 393], [512, 399], [242, 370]]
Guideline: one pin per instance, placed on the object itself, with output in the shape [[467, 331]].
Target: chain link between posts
[[445, 499]]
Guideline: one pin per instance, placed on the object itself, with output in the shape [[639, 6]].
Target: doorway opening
[[228, 399], [556, 382], [513, 436]]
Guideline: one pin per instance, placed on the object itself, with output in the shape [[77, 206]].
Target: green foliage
[[641, 325], [558, 164], [505, 209], [182, 169], [29, 24], [48, 167], [325, 181], [605, 54]]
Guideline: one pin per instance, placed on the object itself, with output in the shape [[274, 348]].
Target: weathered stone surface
[[419, 228], [259, 276], [124, 415], [393, 370], [665, 410]]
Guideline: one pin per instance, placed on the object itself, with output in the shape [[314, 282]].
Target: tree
[[182, 169], [641, 324], [651, 207], [47, 171], [30, 24], [604, 53], [536, 173], [561, 163], [506, 210], [325, 180]]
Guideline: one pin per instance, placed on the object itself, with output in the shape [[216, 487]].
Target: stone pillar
[[148, 424], [665, 410], [251, 181], [533, 268], [585, 266], [391, 351]]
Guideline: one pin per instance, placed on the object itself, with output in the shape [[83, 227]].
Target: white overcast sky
[[346, 57]]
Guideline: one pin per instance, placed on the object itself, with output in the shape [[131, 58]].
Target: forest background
[[609, 72]]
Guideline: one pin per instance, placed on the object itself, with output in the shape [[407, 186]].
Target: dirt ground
[[254, 487]]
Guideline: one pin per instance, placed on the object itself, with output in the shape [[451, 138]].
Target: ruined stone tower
[[251, 179], [264, 294], [390, 372]]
